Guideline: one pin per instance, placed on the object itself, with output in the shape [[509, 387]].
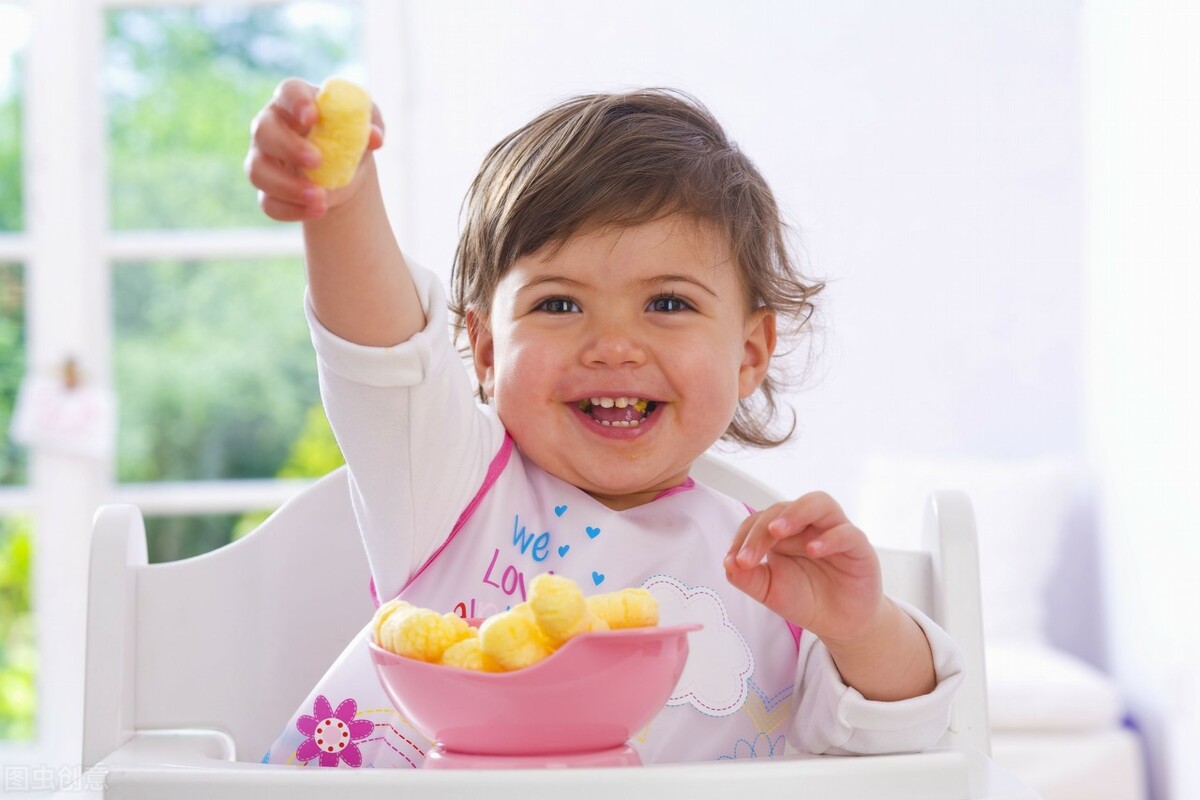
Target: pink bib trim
[[687, 485], [494, 469], [796, 631]]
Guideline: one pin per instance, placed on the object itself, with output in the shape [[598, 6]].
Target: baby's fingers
[[283, 193], [753, 539], [375, 140], [815, 509], [844, 538], [297, 104], [274, 135]]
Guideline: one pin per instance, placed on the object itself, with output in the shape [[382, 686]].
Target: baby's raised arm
[[359, 284]]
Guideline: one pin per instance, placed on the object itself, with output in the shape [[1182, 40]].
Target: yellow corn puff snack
[[627, 608], [468, 654], [512, 638], [559, 608], [384, 612], [340, 133], [422, 633]]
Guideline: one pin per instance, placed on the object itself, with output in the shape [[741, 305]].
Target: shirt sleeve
[[833, 718], [417, 444]]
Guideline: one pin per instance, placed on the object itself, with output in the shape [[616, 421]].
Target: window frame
[[68, 251]]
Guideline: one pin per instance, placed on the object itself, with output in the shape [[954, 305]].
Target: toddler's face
[[617, 359]]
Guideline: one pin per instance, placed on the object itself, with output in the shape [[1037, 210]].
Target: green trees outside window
[[18, 656], [13, 24], [181, 85], [12, 366], [214, 371]]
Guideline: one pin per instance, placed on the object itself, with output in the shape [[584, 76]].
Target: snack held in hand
[[514, 639], [340, 133]]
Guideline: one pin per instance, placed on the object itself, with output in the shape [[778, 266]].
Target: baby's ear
[[757, 351], [479, 332]]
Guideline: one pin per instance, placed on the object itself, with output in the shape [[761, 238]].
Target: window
[[211, 357], [154, 271], [18, 654]]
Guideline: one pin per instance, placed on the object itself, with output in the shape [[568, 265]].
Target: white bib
[[734, 699]]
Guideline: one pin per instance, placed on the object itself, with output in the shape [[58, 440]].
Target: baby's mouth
[[618, 412]]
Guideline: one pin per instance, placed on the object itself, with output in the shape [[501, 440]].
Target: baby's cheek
[[527, 382]]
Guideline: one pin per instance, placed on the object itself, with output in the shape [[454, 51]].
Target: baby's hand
[[820, 571], [281, 156]]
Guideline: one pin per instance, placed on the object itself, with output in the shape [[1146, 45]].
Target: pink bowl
[[596, 692]]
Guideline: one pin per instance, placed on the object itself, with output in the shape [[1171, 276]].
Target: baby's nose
[[614, 343]]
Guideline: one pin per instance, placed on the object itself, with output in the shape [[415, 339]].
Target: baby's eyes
[[663, 304], [669, 303], [558, 305]]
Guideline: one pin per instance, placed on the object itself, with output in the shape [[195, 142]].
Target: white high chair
[[185, 687]]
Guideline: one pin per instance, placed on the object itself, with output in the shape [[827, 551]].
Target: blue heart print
[[562, 550], [597, 578], [592, 532], [560, 510]]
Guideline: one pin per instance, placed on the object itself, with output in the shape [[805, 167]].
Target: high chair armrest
[[118, 548], [950, 537]]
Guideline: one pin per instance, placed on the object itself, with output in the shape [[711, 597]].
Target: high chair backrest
[[233, 640]]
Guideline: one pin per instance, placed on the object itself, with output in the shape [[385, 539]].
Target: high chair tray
[[187, 765]]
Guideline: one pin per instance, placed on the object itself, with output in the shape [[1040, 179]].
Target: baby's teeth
[[619, 402], [632, 423], [616, 402]]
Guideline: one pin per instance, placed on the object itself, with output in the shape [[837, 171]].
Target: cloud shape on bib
[[720, 663]]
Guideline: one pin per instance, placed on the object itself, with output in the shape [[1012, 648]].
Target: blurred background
[[1002, 198]]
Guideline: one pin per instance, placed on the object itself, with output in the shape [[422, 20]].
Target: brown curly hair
[[628, 158]]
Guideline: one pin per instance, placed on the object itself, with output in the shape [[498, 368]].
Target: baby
[[620, 278]]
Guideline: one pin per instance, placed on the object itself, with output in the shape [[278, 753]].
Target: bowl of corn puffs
[[558, 673]]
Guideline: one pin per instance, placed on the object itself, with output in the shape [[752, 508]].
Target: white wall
[[1144, 360]]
